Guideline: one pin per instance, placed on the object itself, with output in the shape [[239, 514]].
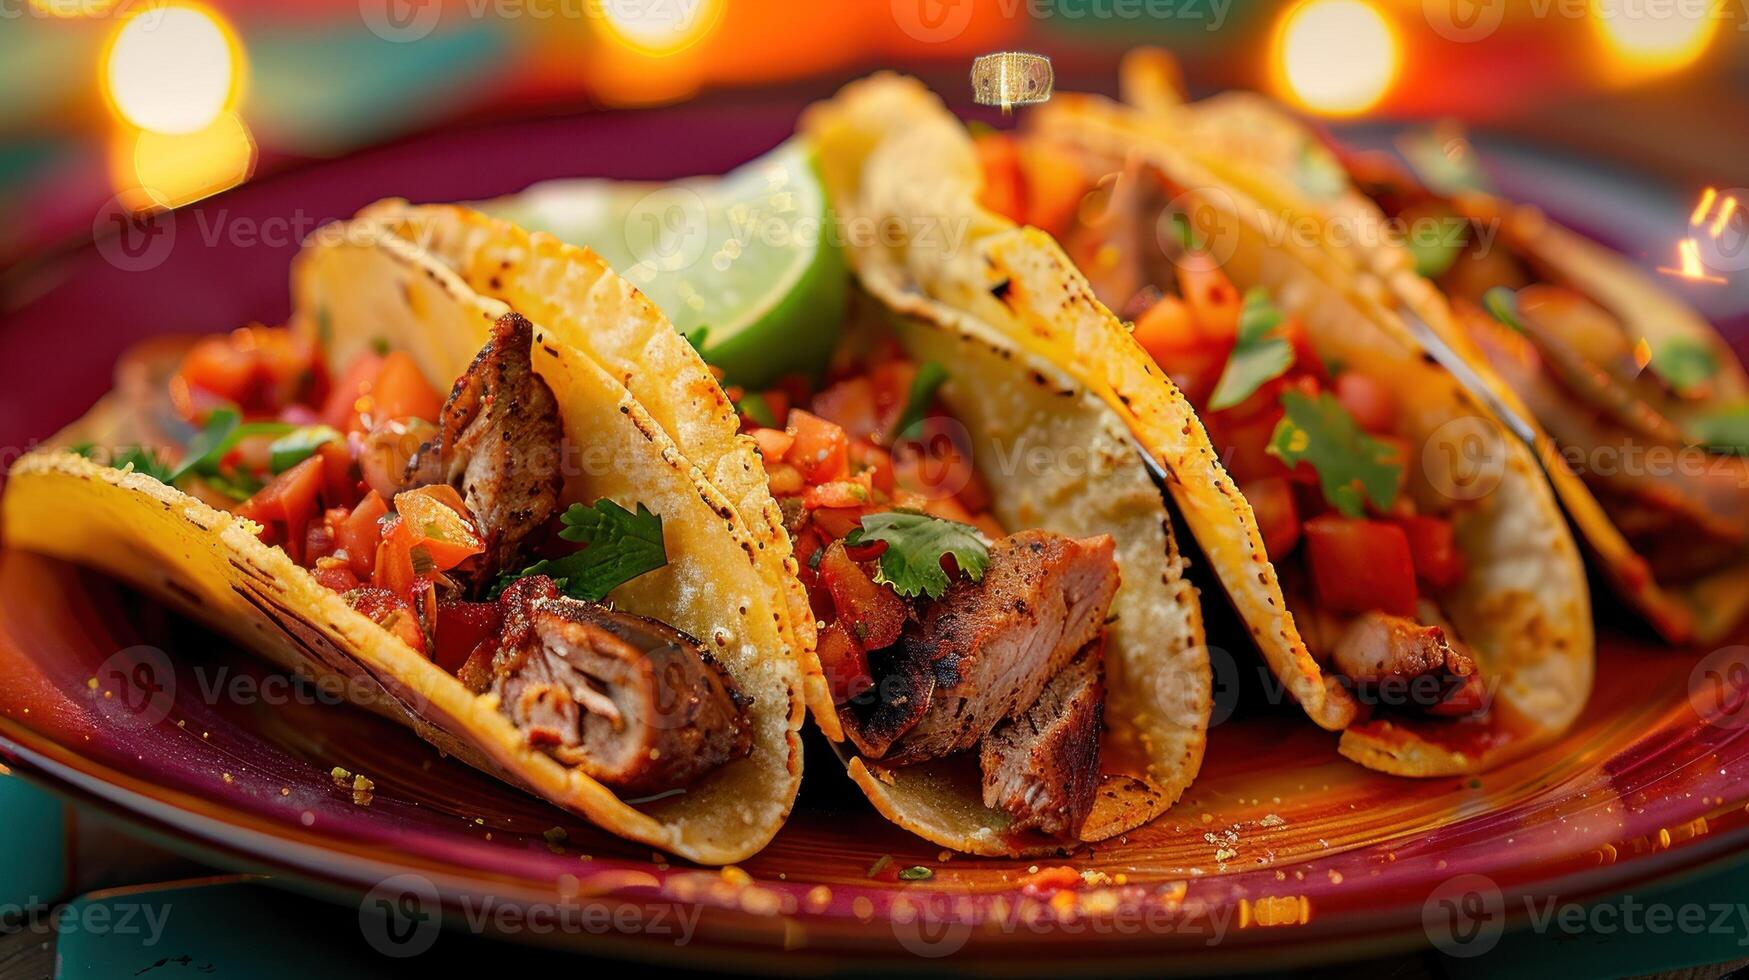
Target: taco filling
[[442, 520], [939, 633], [1315, 448], [1614, 402]]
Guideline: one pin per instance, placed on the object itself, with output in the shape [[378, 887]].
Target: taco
[[526, 572], [1441, 623], [1009, 657], [1636, 406]]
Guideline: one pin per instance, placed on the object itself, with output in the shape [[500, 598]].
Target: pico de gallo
[[1313, 446], [1605, 393], [939, 632], [441, 521]]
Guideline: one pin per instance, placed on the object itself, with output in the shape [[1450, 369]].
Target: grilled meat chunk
[[635, 703], [1042, 766], [984, 650], [1376, 645], [498, 442]]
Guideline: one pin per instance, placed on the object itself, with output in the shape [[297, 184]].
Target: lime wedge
[[746, 265]]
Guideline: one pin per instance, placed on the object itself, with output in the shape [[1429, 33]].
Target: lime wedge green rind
[[751, 256]]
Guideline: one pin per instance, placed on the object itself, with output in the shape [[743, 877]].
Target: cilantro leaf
[[224, 428], [929, 379], [1724, 430], [1684, 363], [1183, 234], [298, 445], [1502, 304], [619, 546], [1435, 248], [1349, 463], [916, 544], [1257, 357], [1317, 172], [142, 460], [697, 337], [754, 406]]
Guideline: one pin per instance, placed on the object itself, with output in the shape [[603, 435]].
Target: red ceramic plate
[[1281, 852]]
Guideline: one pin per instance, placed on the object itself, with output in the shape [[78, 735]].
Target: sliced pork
[[985, 650], [1042, 766], [498, 442], [633, 702]]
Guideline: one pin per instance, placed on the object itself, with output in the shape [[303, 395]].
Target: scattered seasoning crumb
[[1208, 818], [285, 791], [363, 790], [917, 873], [1272, 820], [227, 777], [555, 835], [944, 856], [735, 876], [481, 821], [341, 777], [879, 865]]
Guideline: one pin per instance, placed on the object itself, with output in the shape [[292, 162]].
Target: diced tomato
[[1167, 331], [261, 370], [810, 550], [1004, 190], [462, 626], [318, 542], [866, 551], [440, 523], [874, 614], [820, 447], [836, 522], [336, 576], [390, 610], [838, 493], [1369, 400], [376, 389], [932, 469], [866, 457], [1272, 500], [394, 568], [400, 391], [286, 505], [1360, 565], [773, 443], [844, 663], [1048, 881], [1433, 545], [1244, 446], [339, 474], [1052, 184], [1213, 301], [1306, 359], [359, 533], [341, 408], [892, 380], [850, 404]]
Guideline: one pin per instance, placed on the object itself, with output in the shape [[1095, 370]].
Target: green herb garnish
[[1351, 465], [1724, 430], [916, 543], [1434, 254], [929, 379], [916, 873], [223, 430], [618, 547], [754, 406], [1257, 356], [1684, 363], [142, 460], [1502, 304], [299, 444]]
